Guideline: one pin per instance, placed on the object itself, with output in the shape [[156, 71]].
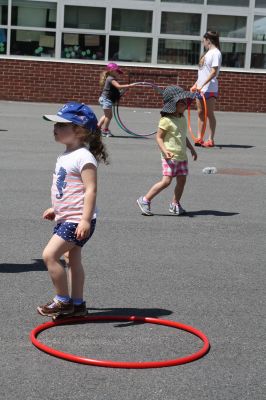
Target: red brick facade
[[58, 82]]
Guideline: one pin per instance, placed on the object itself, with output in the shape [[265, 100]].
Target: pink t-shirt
[[67, 192]]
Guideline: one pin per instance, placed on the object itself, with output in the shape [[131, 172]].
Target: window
[[40, 14], [32, 43], [3, 12], [183, 52], [180, 24], [233, 3], [84, 17], [227, 25], [183, 1], [258, 57], [126, 48], [3, 34], [233, 54], [260, 4], [259, 28], [131, 20], [82, 46]]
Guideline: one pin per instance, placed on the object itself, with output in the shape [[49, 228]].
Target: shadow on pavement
[[38, 265], [138, 312], [129, 137], [234, 146], [192, 214]]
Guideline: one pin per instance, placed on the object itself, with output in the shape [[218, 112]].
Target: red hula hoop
[[205, 119], [117, 364]]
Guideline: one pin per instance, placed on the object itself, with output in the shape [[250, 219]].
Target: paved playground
[[205, 269]]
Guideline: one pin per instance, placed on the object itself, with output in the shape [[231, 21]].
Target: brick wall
[[58, 82]]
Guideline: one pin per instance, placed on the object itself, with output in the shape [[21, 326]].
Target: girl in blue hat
[[73, 196], [172, 140]]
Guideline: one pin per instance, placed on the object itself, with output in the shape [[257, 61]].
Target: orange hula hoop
[[205, 119]]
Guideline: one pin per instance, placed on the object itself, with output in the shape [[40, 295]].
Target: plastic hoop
[[117, 115], [117, 364], [205, 119]]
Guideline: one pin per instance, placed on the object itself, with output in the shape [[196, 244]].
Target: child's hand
[[193, 88], [194, 154], [83, 229], [49, 214], [168, 155]]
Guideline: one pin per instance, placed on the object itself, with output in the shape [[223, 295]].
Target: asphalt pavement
[[205, 269]]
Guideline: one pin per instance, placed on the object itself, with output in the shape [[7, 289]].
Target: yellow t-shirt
[[175, 137]]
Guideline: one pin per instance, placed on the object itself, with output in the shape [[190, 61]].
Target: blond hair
[[93, 141], [104, 75]]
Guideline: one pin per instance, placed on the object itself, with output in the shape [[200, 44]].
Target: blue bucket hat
[[77, 114], [173, 94]]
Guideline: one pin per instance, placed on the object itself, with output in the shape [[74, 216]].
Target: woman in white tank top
[[209, 68]]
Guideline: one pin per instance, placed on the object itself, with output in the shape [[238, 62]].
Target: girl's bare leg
[[179, 188], [158, 187], [76, 274], [200, 110], [52, 253], [211, 117], [108, 115], [101, 121]]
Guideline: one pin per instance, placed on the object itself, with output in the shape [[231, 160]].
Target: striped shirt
[[67, 192]]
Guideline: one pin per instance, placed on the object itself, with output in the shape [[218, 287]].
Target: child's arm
[[191, 148], [118, 86], [89, 179], [49, 214], [159, 139]]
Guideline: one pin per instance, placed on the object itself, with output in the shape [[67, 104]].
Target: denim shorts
[[208, 95], [66, 230], [105, 103]]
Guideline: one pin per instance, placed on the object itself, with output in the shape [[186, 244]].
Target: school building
[[55, 50]]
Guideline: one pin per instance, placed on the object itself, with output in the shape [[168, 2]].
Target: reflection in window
[[3, 33], [131, 20], [259, 28], [183, 1], [32, 43], [182, 52], [233, 3], [227, 25], [233, 54], [33, 13], [258, 56], [180, 24], [3, 12], [84, 17], [125, 48], [260, 4], [82, 46]]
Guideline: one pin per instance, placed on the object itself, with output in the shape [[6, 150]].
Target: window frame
[[157, 7]]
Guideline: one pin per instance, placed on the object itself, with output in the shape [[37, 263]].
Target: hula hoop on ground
[[120, 364], [117, 115], [205, 119]]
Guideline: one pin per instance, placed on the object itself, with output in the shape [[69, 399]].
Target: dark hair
[[93, 140], [213, 37]]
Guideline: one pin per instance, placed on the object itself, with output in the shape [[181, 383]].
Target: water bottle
[[209, 170]]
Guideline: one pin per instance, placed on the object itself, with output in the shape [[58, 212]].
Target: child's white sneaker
[[176, 209]]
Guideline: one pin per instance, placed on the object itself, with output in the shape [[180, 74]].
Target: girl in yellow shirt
[[172, 140]]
